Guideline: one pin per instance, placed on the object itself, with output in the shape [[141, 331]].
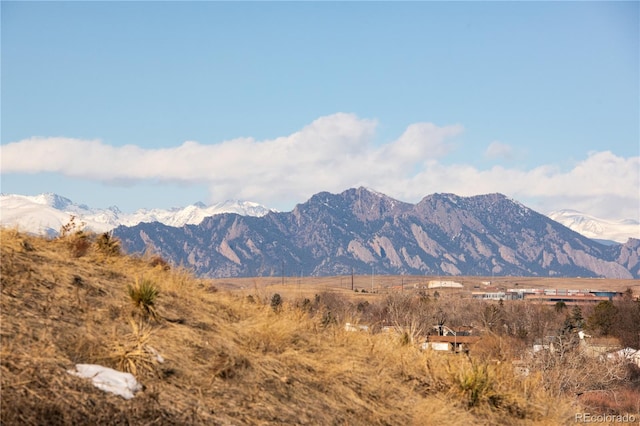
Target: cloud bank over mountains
[[335, 152]]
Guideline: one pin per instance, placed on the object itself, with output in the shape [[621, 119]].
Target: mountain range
[[361, 231], [47, 213]]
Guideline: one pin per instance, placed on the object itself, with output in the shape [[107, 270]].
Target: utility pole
[[352, 278], [372, 271], [282, 271]]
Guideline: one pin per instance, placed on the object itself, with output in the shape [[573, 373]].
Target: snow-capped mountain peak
[[52, 200], [596, 228], [47, 213]]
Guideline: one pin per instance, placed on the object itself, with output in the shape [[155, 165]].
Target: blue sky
[[161, 104]]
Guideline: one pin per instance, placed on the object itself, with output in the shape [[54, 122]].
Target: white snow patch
[[108, 380]]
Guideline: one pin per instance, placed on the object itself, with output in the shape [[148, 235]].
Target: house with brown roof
[[447, 339]]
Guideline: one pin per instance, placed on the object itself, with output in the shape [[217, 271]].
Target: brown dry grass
[[227, 360]]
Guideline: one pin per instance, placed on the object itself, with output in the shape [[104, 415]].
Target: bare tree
[[409, 314]]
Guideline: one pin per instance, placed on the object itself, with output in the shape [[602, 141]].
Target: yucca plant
[[143, 296]]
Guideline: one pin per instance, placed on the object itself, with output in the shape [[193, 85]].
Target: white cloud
[[334, 153], [497, 150], [603, 184], [420, 142]]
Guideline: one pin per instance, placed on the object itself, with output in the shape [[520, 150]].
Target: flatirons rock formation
[[360, 229]]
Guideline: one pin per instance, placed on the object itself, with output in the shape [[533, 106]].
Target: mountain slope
[[363, 231]]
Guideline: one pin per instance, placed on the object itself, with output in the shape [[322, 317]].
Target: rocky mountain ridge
[[47, 213], [361, 230]]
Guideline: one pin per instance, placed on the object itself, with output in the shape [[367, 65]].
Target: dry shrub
[[71, 227], [78, 244], [473, 382], [108, 245], [133, 354], [159, 262], [76, 239]]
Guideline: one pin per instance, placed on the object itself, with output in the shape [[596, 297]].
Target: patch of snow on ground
[[108, 380]]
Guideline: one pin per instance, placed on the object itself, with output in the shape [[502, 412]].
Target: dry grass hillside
[[228, 359]]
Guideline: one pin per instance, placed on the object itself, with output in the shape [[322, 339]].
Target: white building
[[444, 284]]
